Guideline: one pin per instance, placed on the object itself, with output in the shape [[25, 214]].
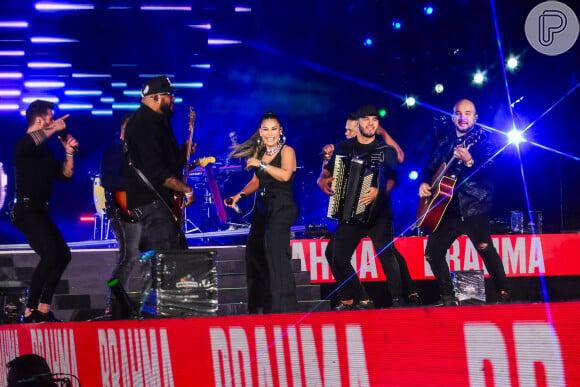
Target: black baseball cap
[[157, 85], [367, 110]]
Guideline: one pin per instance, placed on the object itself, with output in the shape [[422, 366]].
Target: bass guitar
[[432, 208]]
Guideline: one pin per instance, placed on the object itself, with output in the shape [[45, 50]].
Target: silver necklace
[[273, 151]]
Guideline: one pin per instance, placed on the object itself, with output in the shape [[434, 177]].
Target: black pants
[[34, 221], [478, 230], [271, 284], [159, 230], [342, 245]]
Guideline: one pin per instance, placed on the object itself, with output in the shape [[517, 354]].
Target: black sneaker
[[450, 300], [342, 306], [414, 299], [504, 297], [363, 305]]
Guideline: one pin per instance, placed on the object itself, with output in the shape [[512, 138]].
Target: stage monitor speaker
[[183, 283], [469, 286]]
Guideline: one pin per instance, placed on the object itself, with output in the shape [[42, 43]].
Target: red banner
[[493, 345], [522, 255]]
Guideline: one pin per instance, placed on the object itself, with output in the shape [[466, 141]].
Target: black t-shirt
[[153, 150], [35, 169]]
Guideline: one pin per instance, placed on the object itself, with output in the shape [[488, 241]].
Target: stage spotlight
[[515, 136], [512, 63], [479, 78], [368, 42], [439, 88], [428, 10], [410, 102], [413, 175], [382, 113], [397, 24]]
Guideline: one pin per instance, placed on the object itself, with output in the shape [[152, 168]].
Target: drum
[[99, 195]]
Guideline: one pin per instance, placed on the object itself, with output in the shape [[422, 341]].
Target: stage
[[531, 342], [489, 345]]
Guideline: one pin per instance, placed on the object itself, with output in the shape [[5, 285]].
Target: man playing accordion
[[379, 161]]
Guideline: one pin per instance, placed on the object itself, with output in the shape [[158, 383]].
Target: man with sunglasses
[[154, 168]]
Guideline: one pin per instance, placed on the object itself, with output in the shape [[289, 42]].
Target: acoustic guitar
[[432, 208]]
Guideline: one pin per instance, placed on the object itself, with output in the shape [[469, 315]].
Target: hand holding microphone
[[234, 206], [60, 126]]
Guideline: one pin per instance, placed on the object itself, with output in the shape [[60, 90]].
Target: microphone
[[235, 207], [63, 136]]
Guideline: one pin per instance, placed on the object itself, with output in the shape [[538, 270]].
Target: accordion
[[351, 180]]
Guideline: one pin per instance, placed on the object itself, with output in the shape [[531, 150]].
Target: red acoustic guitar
[[431, 209]]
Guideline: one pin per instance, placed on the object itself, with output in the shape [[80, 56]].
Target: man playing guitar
[[155, 168], [468, 211]]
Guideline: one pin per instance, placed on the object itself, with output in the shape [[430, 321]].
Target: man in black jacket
[[153, 150], [469, 209], [126, 228]]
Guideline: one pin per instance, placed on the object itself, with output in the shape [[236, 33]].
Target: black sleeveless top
[[271, 184]]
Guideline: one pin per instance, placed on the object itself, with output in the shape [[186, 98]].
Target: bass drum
[[99, 195]]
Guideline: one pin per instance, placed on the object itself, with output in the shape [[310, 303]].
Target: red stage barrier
[[493, 345], [523, 255]]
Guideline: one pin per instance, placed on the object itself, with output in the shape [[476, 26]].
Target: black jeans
[[159, 230], [128, 236], [478, 230], [342, 245], [33, 220]]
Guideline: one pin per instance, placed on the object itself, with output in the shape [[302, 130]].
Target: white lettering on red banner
[[537, 352], [522, 255], [9, 349], [57, 346], [240, 361], [132, 357]]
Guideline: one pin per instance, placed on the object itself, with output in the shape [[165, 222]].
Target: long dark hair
[[254, 146]]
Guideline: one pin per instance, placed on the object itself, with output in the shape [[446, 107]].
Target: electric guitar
[[120, 197], [178, 196], [432, 208]]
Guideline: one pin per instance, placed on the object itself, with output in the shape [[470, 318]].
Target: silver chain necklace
[[273, 151]]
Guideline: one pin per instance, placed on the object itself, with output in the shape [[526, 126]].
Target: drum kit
[[212, 184]]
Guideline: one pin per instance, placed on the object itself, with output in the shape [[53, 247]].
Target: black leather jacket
[[474, 192]]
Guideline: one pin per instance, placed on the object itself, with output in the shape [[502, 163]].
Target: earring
[[282, 139], [259, 141]]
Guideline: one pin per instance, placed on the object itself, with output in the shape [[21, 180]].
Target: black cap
[[157, 85], [367, 110]]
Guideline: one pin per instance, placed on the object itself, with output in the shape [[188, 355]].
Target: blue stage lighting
[[428, 10], [515, 136], [51, 6], [413, 175], [368, 42], [397, 24], [10, 75]]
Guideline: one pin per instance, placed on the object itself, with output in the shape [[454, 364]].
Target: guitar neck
[[188, 144]]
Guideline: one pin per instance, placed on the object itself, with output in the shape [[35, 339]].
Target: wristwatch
[[469, 163], [263, 165]]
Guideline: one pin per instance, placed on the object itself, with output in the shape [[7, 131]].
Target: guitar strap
[[146, 180]]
